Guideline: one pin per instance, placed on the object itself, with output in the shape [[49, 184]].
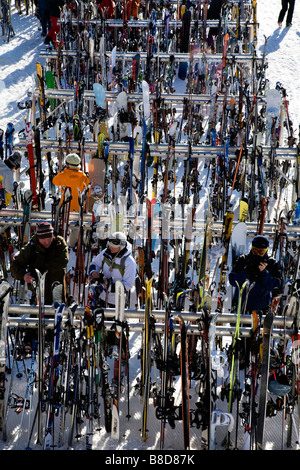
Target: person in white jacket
[[114, 263]]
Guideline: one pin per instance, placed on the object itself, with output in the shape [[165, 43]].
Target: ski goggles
[[259, 251], [117, 242]]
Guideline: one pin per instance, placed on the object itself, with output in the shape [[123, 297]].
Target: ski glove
[[251, 267]]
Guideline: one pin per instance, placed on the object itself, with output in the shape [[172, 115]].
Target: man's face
[[46, 242], [114, 249]]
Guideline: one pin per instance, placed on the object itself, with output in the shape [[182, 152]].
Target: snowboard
[[101, 124], [103, 129], [238, 241], [122, 110], [50, 83], [273, 103], [99, 93], [97, 171], [238, 247]]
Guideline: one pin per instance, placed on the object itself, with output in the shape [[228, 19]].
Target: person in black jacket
[[262, 270], [45, 252], [286, 6]]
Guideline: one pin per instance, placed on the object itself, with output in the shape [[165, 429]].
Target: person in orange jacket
[[73, 177]]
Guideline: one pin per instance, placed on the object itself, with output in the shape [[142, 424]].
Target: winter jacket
[[214, 10], [53, 6], [34, 256], [74, 178], [119, 267], [246, 267]]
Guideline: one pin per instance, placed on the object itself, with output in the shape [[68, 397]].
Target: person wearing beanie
[[45, 252], [113, 263], [262, 270], [73, 177]]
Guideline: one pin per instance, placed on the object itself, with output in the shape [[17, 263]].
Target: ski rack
[[118, 23], [160, 150], [12, 217], [192, 328], [162, 56], [66, 95], [225, 317]]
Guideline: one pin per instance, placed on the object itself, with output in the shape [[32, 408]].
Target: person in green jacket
[[45, 252]]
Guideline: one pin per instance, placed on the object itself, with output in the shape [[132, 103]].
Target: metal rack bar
[[13, 217], [163, 56], [159, 327], [226, 317], [181, 150]]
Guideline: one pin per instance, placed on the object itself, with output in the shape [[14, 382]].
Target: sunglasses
[[259, 251]]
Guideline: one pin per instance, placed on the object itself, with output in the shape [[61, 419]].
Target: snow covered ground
[[282, 52], [17, 77]]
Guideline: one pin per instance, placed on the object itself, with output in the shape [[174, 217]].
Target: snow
[[282, 54], [17, 77]]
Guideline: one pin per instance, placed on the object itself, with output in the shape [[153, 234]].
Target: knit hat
[[44, 230], [73, 159], [260, 242]]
